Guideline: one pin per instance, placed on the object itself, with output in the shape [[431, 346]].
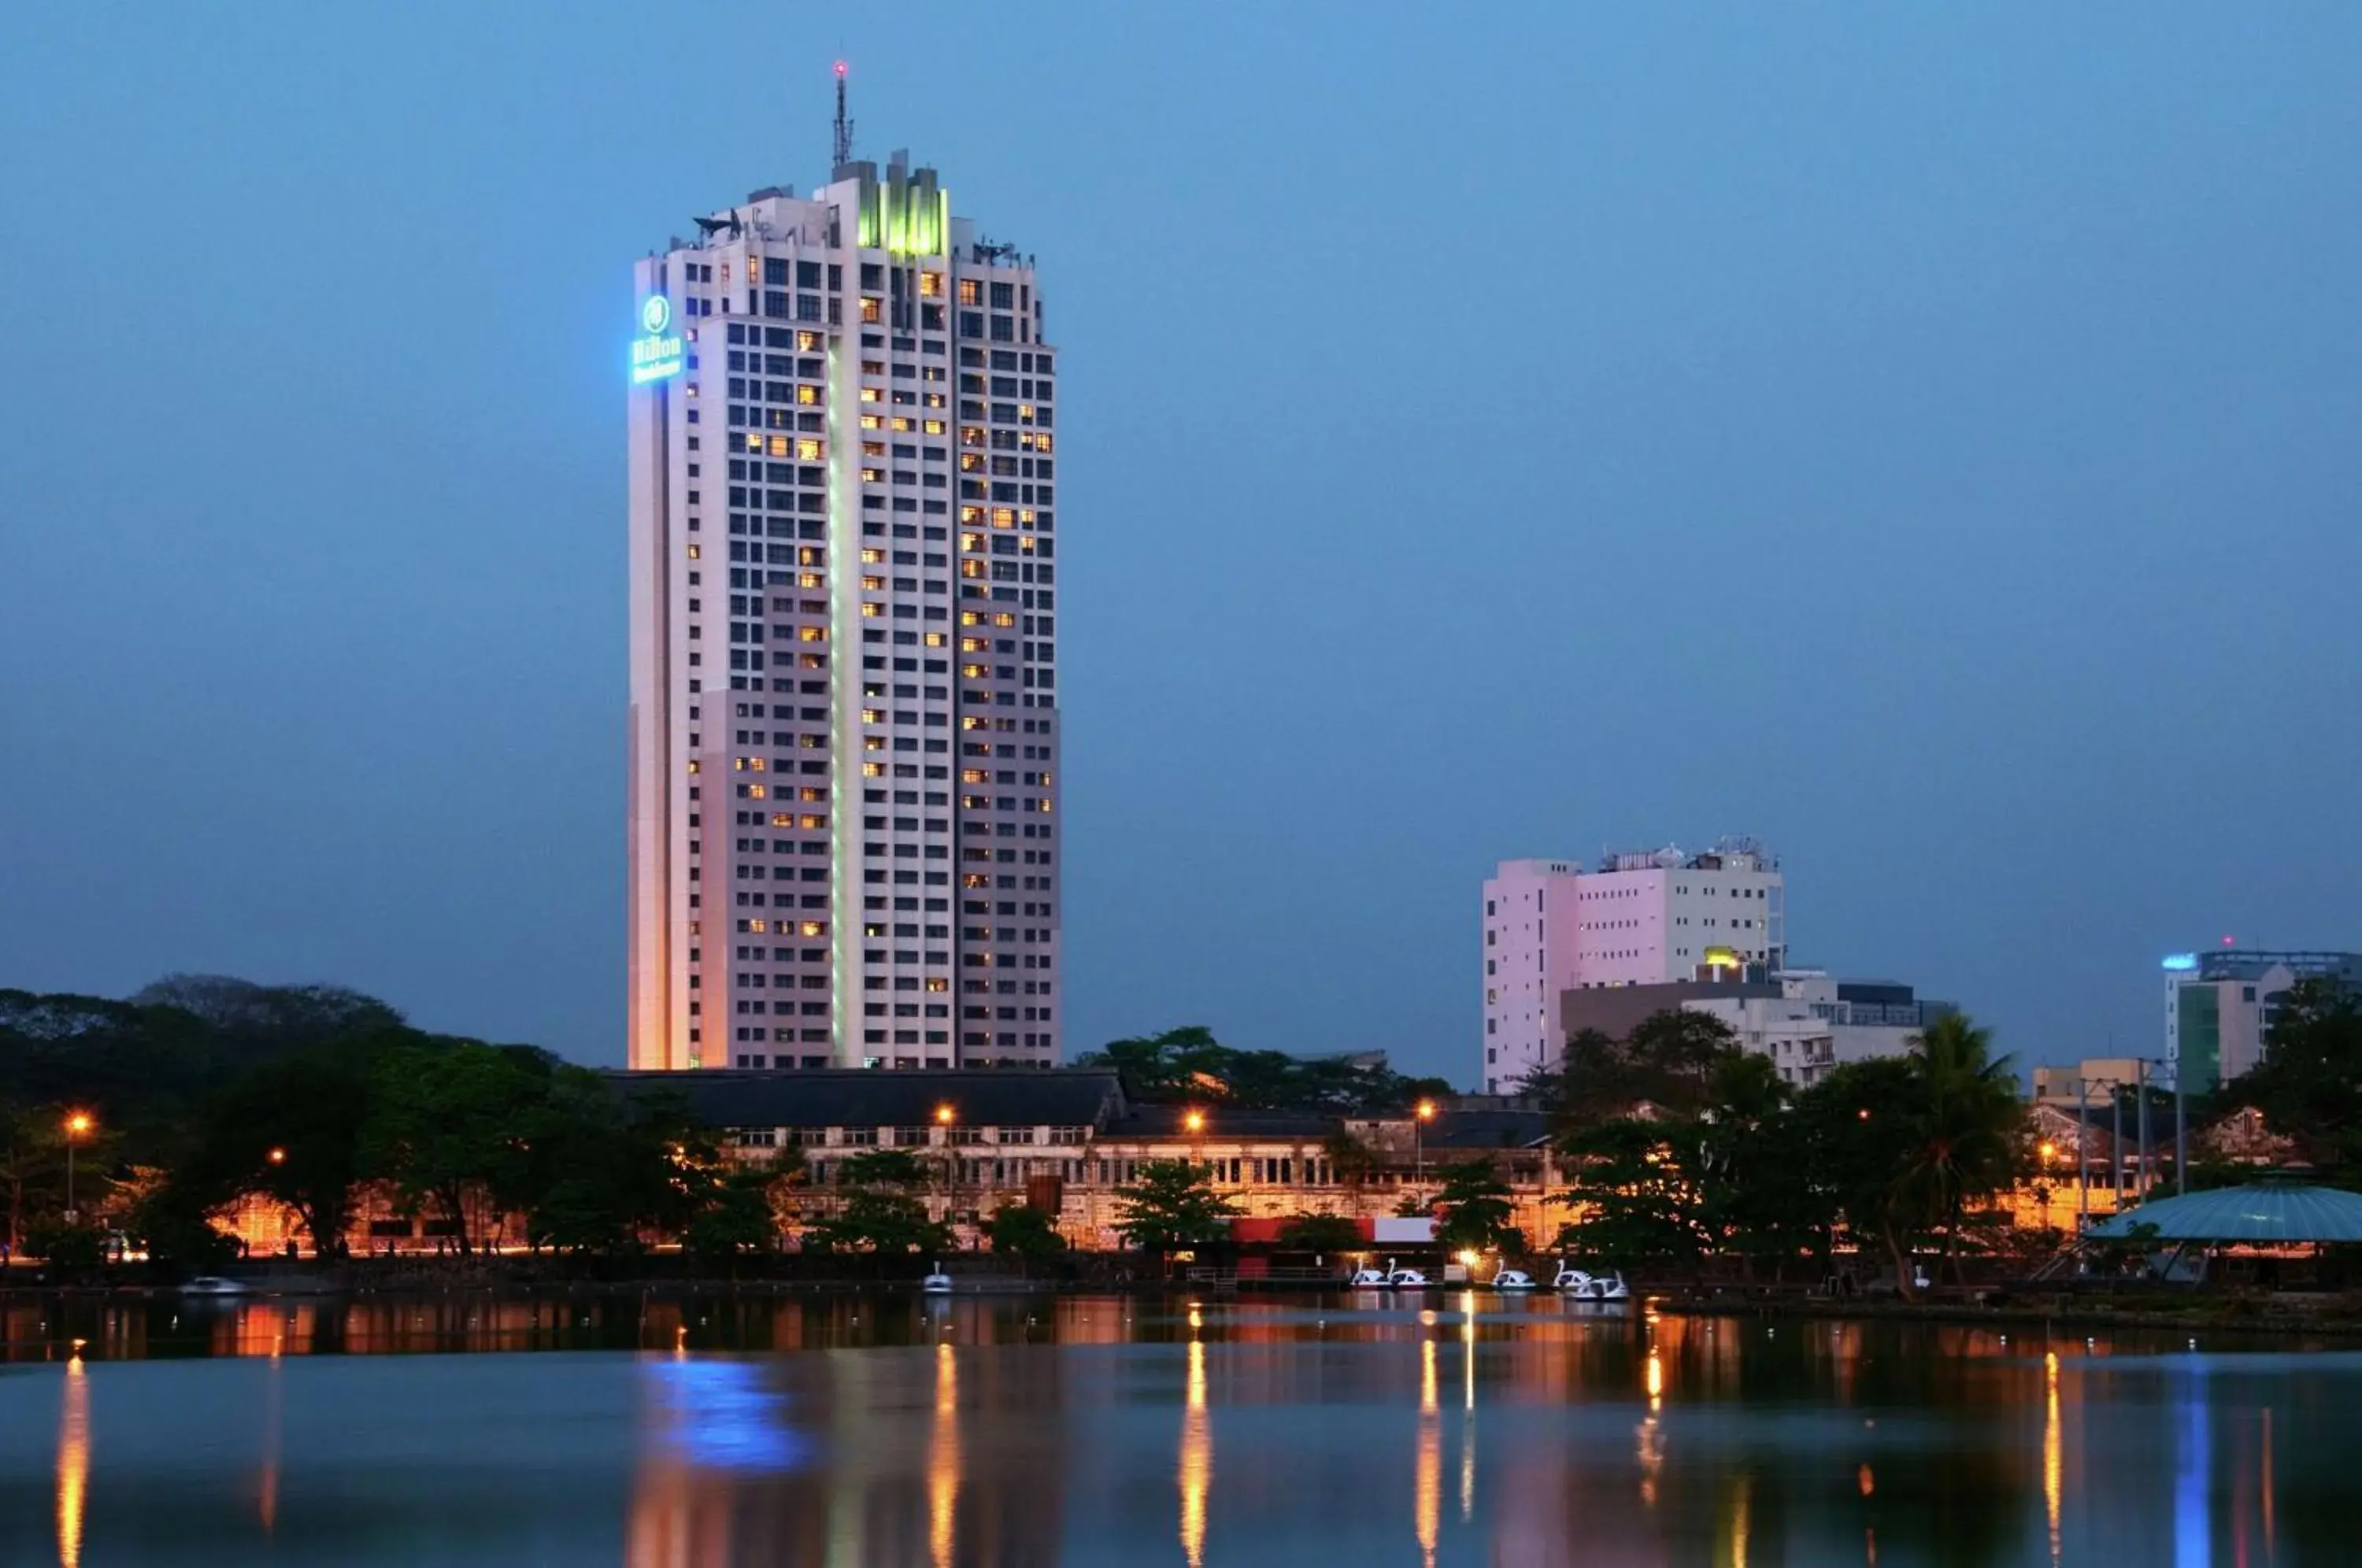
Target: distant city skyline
[[1920, 439]]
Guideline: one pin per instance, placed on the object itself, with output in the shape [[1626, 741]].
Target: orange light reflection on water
[[74, 1461], [1197, 1473], [943, 1459]]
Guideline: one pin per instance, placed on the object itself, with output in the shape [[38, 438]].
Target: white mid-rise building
[[844, 764], [1651, 918], [2221, 1004], [1809, 1022]]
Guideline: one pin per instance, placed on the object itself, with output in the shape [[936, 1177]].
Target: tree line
[[1189, 1064], [200, 1091], [1680, 1146]]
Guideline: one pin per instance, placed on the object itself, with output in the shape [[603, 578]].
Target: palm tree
[[1968, 1140]]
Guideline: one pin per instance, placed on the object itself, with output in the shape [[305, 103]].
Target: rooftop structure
[[2266, 1211]]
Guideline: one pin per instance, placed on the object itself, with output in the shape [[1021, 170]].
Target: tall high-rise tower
[[843, 739]]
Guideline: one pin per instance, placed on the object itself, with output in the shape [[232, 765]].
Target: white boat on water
[[1367, 1280], [1574, 1282], [216, 1285], [1513, 1279], [936, 1283], [1405, 1278]]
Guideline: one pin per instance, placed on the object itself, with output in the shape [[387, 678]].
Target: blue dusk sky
[[1924, 437]]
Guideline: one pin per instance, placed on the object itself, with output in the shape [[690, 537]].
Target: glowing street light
[[277, 1157], [78, 1126], [1193, 1121], [944, 1117], [1421, 1114]]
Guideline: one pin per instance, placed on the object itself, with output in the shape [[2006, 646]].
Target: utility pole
[[2141, 1072], [2180, 1132], [2117, 1145], [2082, 1166]]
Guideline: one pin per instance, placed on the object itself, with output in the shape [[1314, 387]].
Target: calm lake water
[[885, 1429]]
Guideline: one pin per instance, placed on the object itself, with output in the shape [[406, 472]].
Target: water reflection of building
[[949, 1454]]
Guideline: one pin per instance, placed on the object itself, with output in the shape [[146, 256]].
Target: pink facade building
[[844, 826], [1553, 926]]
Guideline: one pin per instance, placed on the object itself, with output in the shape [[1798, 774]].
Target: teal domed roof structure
[[2260, 1211]]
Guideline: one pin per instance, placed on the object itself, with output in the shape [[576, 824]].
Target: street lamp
[[77, 1128], [944, 1117], [1195, 1120], [1421, 1114]]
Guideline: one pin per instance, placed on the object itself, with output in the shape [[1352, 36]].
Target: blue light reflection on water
[[2192, 1522], [715, 1414]]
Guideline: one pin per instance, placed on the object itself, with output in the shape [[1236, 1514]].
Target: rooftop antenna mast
[[843, 123]]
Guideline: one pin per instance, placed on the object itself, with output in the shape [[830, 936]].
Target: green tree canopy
[[879, 1220], [1640, 1202], [1666, 1065], [291, 1128], [1321, 1234], [447, 1119], [1188, 1062], [1476, 1205], [1171, 1206], [2309, 1083], [1025, 1231]]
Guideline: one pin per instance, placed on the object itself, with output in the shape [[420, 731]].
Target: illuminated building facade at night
[[843, 742], [1647, 918]]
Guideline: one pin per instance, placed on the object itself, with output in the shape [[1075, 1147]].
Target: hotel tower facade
[[843, 742]]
